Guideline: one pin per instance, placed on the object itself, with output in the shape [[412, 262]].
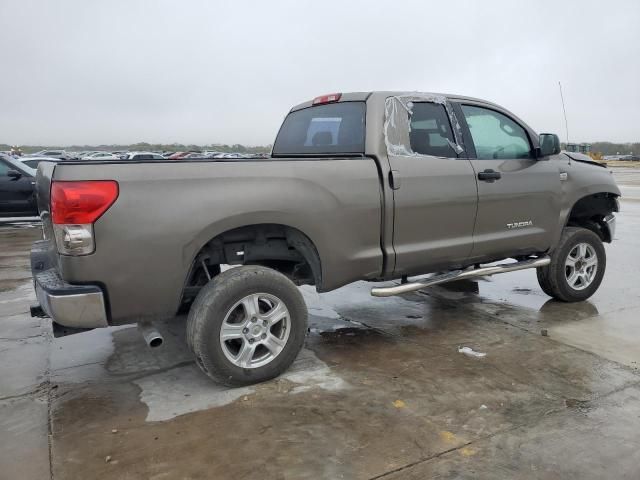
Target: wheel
[[577, 266], [247, 325]]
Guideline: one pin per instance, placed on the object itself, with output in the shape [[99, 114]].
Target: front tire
[[247, 325], [577, 266]]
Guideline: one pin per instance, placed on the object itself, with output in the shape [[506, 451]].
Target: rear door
[[434, 188], [518, 195]]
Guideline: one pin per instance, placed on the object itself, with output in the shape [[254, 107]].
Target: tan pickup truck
[[369, 186]]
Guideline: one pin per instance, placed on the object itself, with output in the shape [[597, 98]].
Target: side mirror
[[549, 144], [14, 174]]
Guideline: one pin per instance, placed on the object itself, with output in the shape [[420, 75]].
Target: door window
[[4, 168], [495, 135], [430, 131], [421, 124]]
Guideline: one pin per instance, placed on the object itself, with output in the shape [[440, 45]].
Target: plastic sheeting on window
[[397, 123]]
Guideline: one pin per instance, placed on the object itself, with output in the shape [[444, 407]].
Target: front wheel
[[577, 266], [247, 325]]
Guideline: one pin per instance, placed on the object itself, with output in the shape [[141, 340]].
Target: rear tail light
[[75, 207], [81, 202], [329, 98]]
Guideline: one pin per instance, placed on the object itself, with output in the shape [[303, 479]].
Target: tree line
[[608, 148]]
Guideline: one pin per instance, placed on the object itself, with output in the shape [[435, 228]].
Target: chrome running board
[[459, 275]]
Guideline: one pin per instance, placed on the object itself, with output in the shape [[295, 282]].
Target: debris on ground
[[399, 404], [471, 352]]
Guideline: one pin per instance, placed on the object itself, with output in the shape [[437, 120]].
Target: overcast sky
[[191, 71]]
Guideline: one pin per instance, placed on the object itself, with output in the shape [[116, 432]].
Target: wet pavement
[[380, 390]]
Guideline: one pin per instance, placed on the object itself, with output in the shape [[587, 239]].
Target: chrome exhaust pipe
[[150, 334], [459, 275]]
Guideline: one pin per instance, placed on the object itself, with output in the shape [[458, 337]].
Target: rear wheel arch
[[281, 247]]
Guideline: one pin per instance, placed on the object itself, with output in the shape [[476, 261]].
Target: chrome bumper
[[75, 306], [77, 310]]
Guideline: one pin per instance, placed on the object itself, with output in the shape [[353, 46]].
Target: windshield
[[332, 129]]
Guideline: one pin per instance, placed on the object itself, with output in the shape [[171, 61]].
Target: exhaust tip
[[150, 334]]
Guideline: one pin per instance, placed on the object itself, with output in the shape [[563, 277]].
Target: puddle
[[308, 372], [315, 304], [582, 406], [21, 293], [186, 389]]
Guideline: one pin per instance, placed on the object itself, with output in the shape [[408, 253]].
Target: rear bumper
[[76, 306]]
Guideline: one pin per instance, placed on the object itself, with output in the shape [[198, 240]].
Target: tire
[[264, 318], [573, 275]]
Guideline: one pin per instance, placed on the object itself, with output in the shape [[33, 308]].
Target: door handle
[[489, 175]]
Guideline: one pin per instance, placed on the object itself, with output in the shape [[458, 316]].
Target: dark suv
[[17, 194]]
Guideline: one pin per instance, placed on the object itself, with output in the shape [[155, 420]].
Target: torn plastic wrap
[[397, 123]]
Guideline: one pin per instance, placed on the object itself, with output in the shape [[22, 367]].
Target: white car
[[59, 154], [144, 156], [101, 156]]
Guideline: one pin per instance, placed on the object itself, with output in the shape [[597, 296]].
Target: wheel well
[[280, 247], [590, 211]]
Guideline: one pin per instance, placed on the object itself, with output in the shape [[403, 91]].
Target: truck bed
[[167, 210]]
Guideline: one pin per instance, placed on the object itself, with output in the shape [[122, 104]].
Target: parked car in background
[[180, 155], [33, 162], [59, 154], [81, 155], [211, 154], [144, 156], [17, 193], [101, 156]]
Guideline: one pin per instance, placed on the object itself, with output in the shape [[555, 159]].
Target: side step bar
[[459, 275]]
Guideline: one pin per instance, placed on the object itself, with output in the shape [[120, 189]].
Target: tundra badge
[[513, 225]]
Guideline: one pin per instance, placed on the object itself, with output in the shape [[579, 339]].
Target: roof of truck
[[364, 96]]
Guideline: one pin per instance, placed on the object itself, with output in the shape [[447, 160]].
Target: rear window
[[332, 128]]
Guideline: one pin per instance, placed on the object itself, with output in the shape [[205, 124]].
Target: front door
[[518, 195], [434, 192], [16, 192]]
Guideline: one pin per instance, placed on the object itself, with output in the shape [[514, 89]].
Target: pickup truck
[[370, 186]]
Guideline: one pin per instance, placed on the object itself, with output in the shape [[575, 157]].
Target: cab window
[[430, 131], [323, 129], [495, 135]]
